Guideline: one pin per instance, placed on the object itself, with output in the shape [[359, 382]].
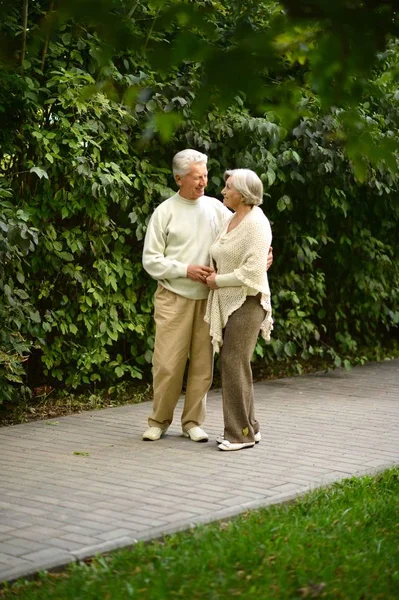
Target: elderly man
[[176, 254]]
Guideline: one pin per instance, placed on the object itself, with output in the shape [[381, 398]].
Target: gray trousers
[[239, 341]]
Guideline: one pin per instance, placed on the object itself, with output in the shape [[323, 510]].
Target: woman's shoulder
[[258, 228], [258, 218], [258, 213]]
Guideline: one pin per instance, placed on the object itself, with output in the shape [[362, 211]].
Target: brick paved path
[[57, 506]]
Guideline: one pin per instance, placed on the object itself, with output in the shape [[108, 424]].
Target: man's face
[[192, 185]]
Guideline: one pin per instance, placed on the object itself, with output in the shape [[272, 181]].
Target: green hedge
[[85, 158]]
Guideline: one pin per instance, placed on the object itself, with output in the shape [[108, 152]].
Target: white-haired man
[[176, 254]]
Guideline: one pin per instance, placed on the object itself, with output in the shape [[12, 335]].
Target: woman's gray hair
[[248, 184], [183, 160]]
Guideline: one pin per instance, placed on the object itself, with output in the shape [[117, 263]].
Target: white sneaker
[[231, 446], [196, 434], [153, 433], [220, 438]]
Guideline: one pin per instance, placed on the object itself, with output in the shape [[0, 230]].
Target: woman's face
[[231, 198]]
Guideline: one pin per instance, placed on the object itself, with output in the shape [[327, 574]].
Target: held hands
[[207, 275], [198, 273], [211, 281]]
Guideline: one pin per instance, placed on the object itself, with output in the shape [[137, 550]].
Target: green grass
[[337, 542]]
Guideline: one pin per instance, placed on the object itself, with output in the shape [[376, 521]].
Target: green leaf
[[290, 349], [271, 177], [22, 294], [337, 362], [67, 256], [167, 123], [151, 105], [283, 203], [39, 172], [35, 317]]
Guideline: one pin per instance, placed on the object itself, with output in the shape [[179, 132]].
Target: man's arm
[[158, 265], [154, 260]]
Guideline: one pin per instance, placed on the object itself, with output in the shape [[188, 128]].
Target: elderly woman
[[239, 303]]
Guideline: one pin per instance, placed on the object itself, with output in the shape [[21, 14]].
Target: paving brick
[[106, 546], [148, 521], [121, 533], [180, 516], [5, 528], [84, 530], [80, 539], [18, 547], [50, 557], [8, 560], [67, 545], [56, 507]]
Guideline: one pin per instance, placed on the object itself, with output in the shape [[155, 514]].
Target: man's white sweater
[[179, 234]]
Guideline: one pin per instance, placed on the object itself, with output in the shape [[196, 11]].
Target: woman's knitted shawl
[[243, 251]]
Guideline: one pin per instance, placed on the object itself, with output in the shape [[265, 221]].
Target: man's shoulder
[[211, 200], [216, 204], [165, 204], [171, 199]]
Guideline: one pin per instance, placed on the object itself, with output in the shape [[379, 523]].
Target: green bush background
[[87, 134]]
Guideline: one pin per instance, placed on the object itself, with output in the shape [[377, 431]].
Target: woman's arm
[[215, 281]]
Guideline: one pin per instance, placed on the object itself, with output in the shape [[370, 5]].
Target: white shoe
[[220, 438], [196, 434], [227, 446], [153, 433]]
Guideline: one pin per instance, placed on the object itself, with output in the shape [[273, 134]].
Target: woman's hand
[[211, 281], [269, 258]]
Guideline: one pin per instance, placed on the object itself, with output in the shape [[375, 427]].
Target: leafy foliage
[[17, 314], [90, 118]]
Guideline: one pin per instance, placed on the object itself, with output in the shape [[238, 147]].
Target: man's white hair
[[183, 160], [248, 184]]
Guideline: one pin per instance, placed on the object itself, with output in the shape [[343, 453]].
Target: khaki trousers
[[239, 340], [181, 332]]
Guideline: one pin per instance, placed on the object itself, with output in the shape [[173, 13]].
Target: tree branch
[[46, 43], [25, 29], [131, 11]]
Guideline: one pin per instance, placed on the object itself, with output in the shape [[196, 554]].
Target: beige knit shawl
[[243, 251]]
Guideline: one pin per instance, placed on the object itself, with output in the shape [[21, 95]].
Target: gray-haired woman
[[239, 303]]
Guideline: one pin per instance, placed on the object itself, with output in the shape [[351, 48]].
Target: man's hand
[[211, 281], [269, 259], [198, 273]]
